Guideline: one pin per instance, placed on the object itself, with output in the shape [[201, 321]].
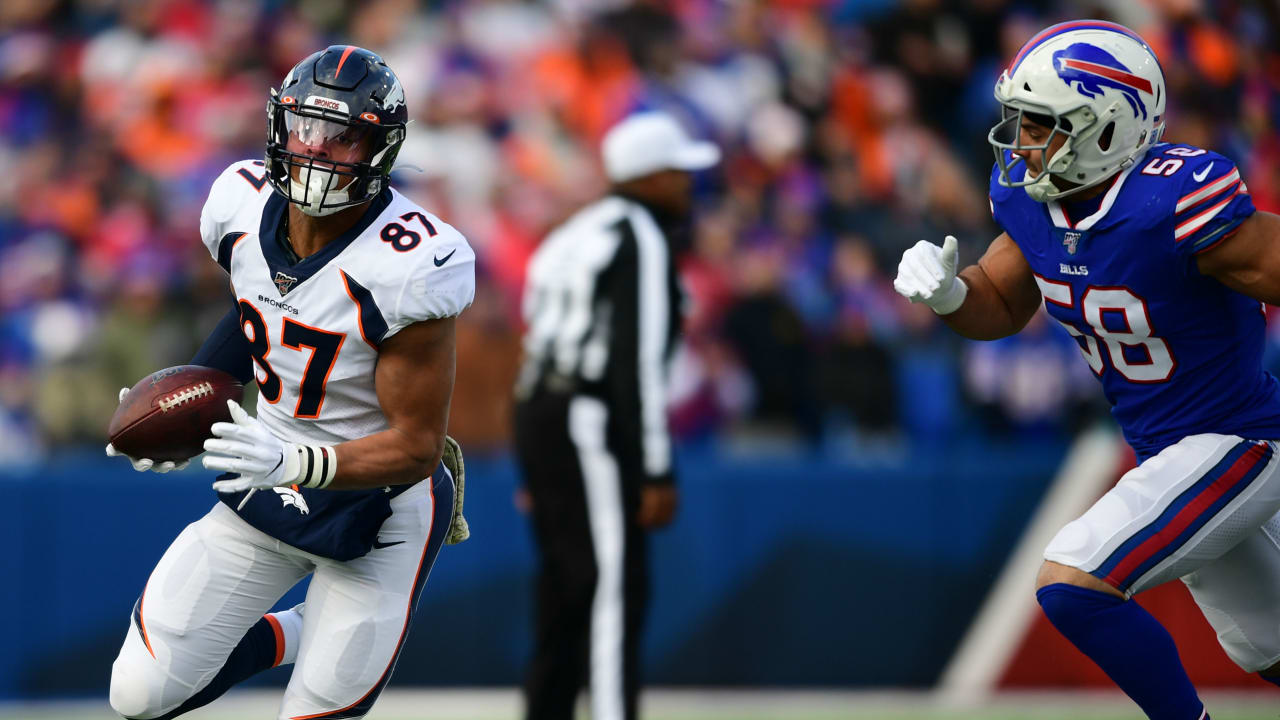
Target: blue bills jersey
[[1177, 352]]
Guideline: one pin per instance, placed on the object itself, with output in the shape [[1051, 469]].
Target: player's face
[[326, 141], [1033, 133]]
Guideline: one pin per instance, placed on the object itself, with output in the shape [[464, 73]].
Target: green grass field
[[504, 704]]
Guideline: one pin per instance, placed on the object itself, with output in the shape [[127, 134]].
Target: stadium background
[[853, 476]]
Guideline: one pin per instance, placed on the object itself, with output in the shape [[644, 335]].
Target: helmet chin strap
[[1043, 189], [314, 190]]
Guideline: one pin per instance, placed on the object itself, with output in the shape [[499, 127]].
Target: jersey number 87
[[324, 347]]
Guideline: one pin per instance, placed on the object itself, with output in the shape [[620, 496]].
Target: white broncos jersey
[[314, 328]]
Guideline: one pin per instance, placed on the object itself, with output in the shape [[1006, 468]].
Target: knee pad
[[137, 681], [132, 694]]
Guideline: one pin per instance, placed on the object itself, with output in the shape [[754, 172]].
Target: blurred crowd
[[852, 129]]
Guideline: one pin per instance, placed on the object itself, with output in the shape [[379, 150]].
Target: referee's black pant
[[593, 580]]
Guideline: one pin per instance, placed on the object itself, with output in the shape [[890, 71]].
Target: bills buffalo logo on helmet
[[1089, 69]]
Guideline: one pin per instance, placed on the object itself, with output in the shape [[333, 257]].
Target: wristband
[[317, 465], [945, 302]]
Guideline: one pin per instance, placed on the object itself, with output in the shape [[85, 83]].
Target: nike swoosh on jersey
[[378, 544], [1198, 177], [445, 259]]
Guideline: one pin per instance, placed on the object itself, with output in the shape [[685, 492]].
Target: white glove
[[247, 447], [927, 274], [144, 464]]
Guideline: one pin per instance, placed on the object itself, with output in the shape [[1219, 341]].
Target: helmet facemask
[[322, 161], [1079, 125]]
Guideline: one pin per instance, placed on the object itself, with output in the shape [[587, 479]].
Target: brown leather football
[[167, 415]]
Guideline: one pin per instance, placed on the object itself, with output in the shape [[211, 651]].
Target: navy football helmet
[[334, 128]]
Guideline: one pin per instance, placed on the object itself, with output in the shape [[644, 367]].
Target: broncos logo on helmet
[[1089, 69]]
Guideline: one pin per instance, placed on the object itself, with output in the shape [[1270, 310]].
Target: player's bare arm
[[1002, 294], [414, 381], [991, 299], [1248, 261]]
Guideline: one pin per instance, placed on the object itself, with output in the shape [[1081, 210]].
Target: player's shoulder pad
[[1007, 204], [1196, 174], [995, 189], [1201, 194], [997, 192], [425, 277], [241, 183]]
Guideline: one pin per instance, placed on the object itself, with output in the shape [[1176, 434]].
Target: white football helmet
[[1097, 83]]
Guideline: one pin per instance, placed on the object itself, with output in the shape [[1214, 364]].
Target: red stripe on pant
[[1187, 515]]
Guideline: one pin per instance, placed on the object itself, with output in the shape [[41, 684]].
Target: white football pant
[[1204, 510], [221, 575]]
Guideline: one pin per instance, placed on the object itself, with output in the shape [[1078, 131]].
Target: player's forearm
[[984, 315], [389, 457], [414, 381]]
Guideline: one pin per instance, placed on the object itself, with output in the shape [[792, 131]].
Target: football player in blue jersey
[[346, 299], [1153, 258]]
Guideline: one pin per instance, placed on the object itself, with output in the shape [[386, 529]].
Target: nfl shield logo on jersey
[[1070, 240], [284, 282]]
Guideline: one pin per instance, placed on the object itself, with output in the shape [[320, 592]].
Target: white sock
[[290, 622]]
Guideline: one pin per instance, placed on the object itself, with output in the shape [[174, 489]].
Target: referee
[[602, 306]]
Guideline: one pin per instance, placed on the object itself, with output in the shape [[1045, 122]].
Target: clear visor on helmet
[[327, 139]]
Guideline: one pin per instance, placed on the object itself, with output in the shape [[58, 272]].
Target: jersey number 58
[[1095, 303]]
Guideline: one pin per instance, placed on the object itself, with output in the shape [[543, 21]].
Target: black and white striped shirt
[[602, 312]]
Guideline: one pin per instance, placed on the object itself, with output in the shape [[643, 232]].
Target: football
[[167, 415]]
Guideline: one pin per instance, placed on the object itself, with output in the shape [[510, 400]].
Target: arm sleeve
[[1212, 202], [226, 348], [639, 296]]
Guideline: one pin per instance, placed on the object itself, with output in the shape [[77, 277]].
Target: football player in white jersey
[[346, 294]]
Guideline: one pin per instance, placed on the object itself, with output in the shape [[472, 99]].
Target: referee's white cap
[[650, 142]]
